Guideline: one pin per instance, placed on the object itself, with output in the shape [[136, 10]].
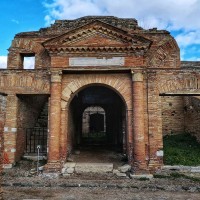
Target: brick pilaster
[[10, 128], [63, 136], [54, 122], [138, 123]]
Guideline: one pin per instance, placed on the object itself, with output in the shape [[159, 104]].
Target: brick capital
[[138, 76], [56, 76]]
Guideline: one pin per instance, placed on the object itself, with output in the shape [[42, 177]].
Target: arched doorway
[[97, 120], [94, 125]]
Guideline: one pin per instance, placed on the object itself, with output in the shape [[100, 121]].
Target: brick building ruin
[[97, 75]]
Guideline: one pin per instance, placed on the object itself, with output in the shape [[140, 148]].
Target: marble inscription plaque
[[93, 61]]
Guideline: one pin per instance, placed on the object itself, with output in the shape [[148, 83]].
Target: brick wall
[[2, 111], [192, 116], [172, 115], [2, 121], [30, 107]]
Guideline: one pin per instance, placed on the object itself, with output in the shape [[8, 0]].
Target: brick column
[[10, 128], [54, 123], [138, 123]]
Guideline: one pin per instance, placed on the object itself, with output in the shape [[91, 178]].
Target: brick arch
[[116, 84]]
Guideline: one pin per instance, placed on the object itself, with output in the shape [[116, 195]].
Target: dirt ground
[[18, 184], [95, 194]]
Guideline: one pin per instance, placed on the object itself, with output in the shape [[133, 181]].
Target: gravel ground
[[18, 184]]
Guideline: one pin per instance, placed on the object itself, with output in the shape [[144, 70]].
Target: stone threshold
[[90, 167]]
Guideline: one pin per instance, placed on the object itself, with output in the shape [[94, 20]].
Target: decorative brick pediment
[[97, 37]]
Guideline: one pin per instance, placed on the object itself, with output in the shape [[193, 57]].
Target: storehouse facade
[[101, 75]]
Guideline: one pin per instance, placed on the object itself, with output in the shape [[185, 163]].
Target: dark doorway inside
[[97, 119]]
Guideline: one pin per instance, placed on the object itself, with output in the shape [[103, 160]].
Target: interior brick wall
[[2, 121], [30, 107], [172, 115], [192, 116]]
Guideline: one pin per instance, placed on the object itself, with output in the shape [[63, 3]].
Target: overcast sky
[[180, 17]]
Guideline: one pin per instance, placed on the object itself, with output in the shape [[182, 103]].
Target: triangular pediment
[[94, 39], [97, 35]]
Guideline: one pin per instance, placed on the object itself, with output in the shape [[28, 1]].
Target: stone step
[[93, 167]]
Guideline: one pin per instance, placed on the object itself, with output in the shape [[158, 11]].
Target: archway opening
[[97, 124]]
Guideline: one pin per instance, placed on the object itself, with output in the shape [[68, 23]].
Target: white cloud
[[29, 62], [3, 62], [188, 38], [174, 15], [179, 14]]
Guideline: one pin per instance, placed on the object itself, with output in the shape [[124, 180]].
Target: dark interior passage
[[96, 122], [97, 117]]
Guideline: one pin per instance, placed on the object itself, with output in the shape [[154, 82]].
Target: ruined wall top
[[127, 23], [190, 64], [60, 26], [95, 36]]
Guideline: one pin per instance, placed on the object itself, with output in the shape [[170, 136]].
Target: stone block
[[125, 168], [139, 176], [120, 174], [195, 169], [69, 164], [115, 171], [94, 167], [51, 175], [70, 170], [7, 166]]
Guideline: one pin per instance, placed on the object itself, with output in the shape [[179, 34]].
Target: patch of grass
[[179, 175], [143, 179], [160, 176], [181, 149], [176, 175]]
